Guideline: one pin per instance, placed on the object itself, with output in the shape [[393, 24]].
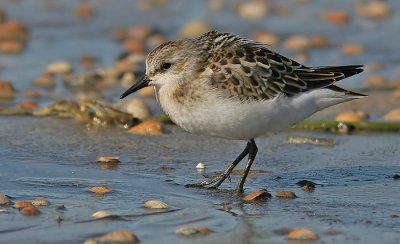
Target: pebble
[[13, 31], [101, 214], [140, 32], [188, 231], [138, 108], [148, 127], [352, 49], [302, 234], [375, 10], [40, 201], [120, 34], [357, 116], [194, 28], [253, 10], [32, 94], [7, 90], [11, 47], [155, 204], [376, 80], [22, 204], [200, 166], [46, 80], [393, 115], [4, 200], [318, 141], [297, 44], [84, 12], [28, 105], [320, 42], [87, 61], [59, 67], [119, 236], [286, 194], [258, 195], [147, 92], [267, 38], [134, 45], [108, 159], [336, 17], [30, 211], [100, 189]]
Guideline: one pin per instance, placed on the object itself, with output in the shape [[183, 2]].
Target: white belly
[[232, 119]]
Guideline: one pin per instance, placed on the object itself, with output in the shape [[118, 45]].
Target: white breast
[[233, 119]]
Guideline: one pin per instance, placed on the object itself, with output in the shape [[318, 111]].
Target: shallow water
[[356, 199]]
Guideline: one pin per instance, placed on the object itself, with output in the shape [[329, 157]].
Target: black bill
[[137, 86]]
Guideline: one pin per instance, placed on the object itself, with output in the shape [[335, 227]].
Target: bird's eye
[[166, 66]]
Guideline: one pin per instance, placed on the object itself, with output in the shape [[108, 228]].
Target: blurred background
[[76, 49], [69, 58]]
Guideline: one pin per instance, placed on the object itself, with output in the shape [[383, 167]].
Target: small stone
[[302, 234], [29, 105], [101, 214], [258, 195], [40, 201], [84, 12], [267, 38], [357, 116], [12, 47], [393, 115], [194, 28], [186, 231], [108, 159], [148, 127], [155, 204], [396, 177], [155, 40], [297, 44], [7, 90], [253, 10], [120, 34], [87, 61], [138, 108], [140, 32], [60, 207], [286, 194], [119, 236], [376, 80], [4, 200], [336, 17], [147, 92], [134, 45], [46, 80], [59, 67], [320, 42], [352, 49], [30, 211], [200, 166], [100, 189], [375, 10], [32, 94], [13, 31], [22, 204]]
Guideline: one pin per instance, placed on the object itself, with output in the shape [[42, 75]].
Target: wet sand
[[355, 200]]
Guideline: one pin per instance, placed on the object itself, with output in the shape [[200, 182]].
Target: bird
[[222, 85]]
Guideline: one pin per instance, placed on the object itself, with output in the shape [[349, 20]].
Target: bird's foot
[[217, 180]]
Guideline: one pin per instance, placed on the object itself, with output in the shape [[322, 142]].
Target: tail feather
[[347, 93], [347, 70]]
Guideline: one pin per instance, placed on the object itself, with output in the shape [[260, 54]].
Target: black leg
[[252, 155], [220, 178]]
